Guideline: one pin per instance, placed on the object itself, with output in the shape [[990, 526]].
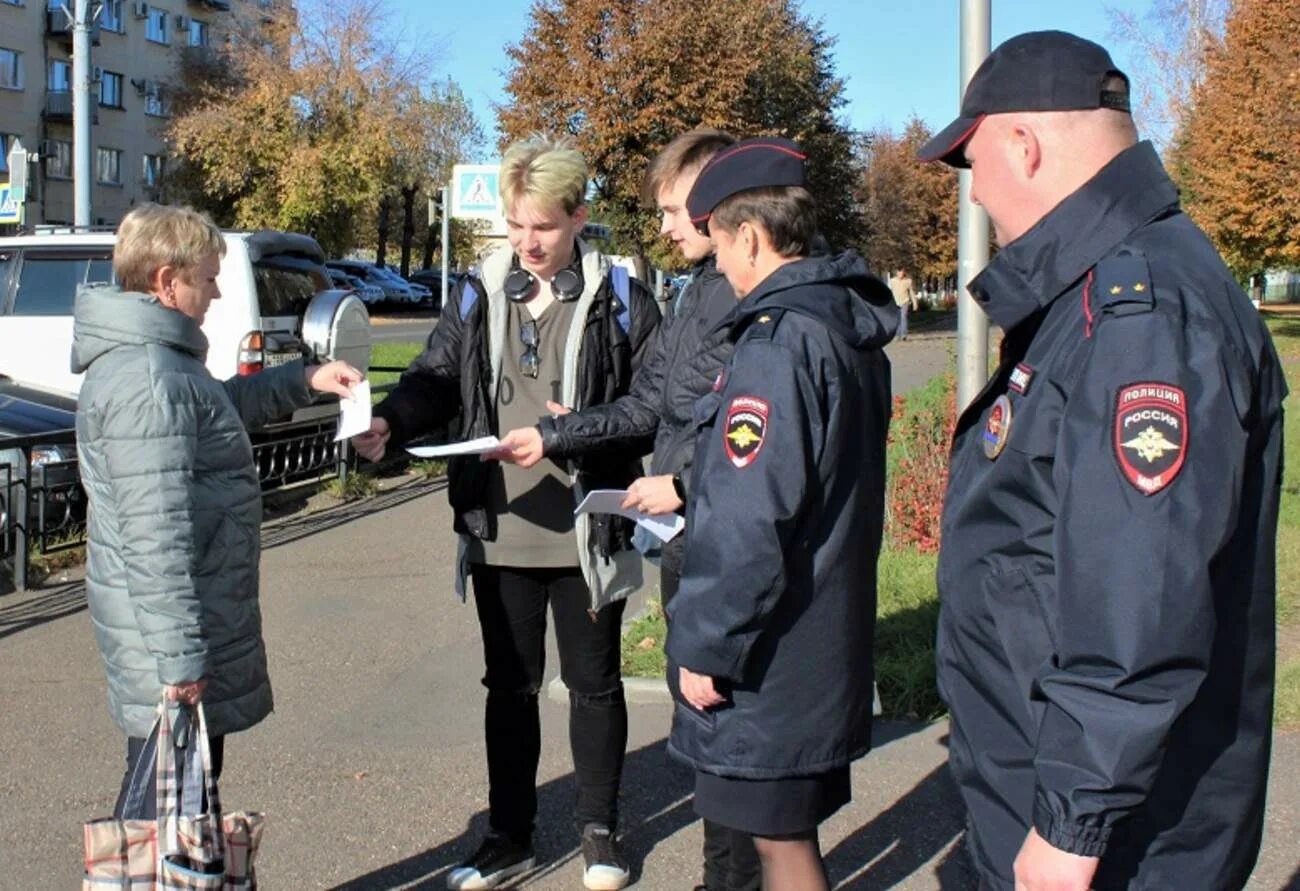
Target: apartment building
[[136, 54]]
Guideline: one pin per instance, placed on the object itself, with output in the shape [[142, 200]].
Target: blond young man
[[548, 319], [690, 351]]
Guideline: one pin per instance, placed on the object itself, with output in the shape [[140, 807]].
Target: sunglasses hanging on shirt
[[529, 362]]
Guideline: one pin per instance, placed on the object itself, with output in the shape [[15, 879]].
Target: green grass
[[358, 485], [1286, 338], [643, 644], [907, 612], [391, 355], [1286, 712], [429, 468]]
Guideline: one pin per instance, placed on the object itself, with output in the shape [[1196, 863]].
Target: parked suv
[[270, 284]]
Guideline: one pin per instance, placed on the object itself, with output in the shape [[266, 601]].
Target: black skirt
[[770, 808]]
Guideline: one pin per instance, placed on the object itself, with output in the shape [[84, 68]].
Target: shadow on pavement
[[1294, 883], [892, 847], [298, 528], [655, 804], [22, 612]]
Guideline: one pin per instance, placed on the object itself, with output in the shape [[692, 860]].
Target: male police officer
[[1106, 642]]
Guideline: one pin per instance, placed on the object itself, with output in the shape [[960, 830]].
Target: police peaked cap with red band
[[749, 164], [1038, 71]]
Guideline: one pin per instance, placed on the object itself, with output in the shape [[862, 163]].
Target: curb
[[654, 691], [637, 691]]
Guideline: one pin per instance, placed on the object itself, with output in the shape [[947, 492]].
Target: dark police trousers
[[511, 604], [730, 858]]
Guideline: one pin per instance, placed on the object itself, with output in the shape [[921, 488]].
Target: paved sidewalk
[[371, 769]]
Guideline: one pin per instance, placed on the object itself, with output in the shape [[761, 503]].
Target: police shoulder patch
[[745, 429], [1151, 434]]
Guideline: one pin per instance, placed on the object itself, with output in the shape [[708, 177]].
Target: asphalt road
[[371, 769]]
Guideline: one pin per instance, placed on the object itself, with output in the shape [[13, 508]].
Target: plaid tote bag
[[187, 848]]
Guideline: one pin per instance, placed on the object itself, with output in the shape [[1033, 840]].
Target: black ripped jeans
[[511, 604]]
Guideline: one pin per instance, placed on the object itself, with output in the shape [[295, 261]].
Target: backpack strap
[[622, 282], [468, 297]]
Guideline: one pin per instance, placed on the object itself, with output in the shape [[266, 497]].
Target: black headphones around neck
[[519, 284]]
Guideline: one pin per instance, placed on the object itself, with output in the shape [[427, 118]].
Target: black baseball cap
[[749, 164], [1037, 71]]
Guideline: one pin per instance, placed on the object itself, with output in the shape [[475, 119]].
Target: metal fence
[[43, 507]]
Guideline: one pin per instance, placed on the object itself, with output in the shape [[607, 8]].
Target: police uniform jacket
[[457, 377], [1106, 639], [778, 597], [690, 349]]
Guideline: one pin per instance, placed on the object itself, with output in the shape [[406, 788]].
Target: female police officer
[[770, 632]]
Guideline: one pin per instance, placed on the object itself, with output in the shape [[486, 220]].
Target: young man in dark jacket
[[1106, 642], [549, 319], [693, 345], [770, 633]]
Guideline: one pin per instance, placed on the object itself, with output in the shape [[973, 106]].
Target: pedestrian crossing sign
[[11, 209], [476, 194]]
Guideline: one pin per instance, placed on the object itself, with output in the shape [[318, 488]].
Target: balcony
[[59, 25], [219, 5], [58, 107]]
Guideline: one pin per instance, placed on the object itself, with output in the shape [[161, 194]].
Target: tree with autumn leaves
[[910, 208], [312, 121], [1237, 158], [623, 77]]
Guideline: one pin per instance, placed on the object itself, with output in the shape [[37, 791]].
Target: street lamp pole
[[81, 169], [972, 226]]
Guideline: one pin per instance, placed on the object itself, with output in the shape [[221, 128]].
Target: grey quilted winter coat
[[175, 508]]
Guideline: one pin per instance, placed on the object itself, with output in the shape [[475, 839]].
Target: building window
[[58, 159], [151, 170], [11, 69], [108, 166], [60, 76], [156, 30], [198, 33], [155, 100], [110, 19], [110, 89], [6, 143]]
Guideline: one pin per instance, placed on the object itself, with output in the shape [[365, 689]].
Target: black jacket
[[778, 597], [689, 351], [453, 377], [1106, 640]]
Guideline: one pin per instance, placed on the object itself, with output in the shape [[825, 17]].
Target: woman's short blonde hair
[[549, 171], [155, 235]]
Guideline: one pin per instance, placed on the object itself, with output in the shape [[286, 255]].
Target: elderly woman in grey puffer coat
[[175, 504]]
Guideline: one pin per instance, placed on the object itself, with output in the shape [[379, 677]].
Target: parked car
[[432, 279], [395, 290], [56, 504], [277, 305], [369, 294]]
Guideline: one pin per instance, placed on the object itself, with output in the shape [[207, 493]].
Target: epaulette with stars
[[764, 325], [1122, 284], [1119, 285]]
